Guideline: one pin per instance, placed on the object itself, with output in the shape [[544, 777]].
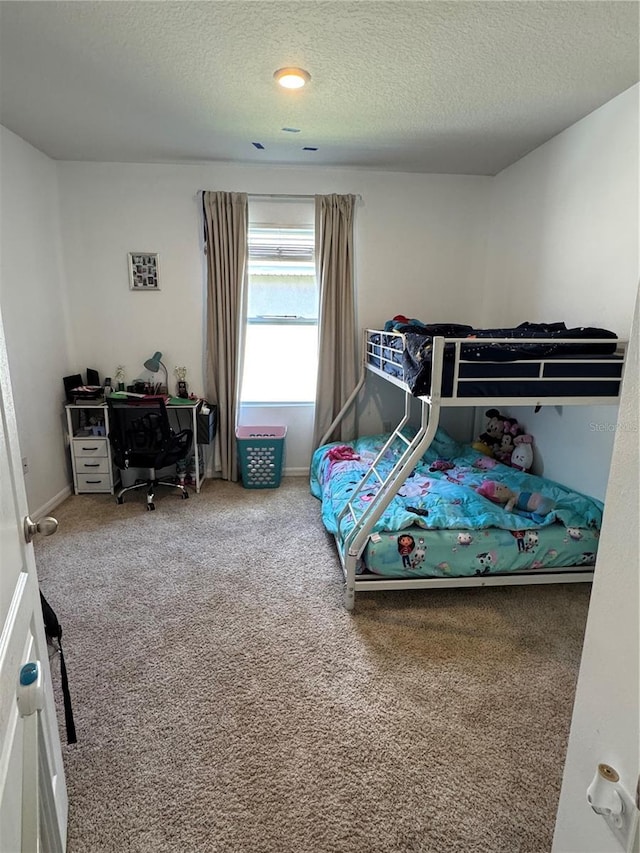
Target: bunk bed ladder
[[356, 539], [373, 474]]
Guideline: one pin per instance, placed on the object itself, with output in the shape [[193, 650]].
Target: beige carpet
[[225, 701]]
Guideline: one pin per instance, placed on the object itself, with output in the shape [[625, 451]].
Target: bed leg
[[349, 597]]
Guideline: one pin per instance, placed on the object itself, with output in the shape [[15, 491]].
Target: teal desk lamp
[[154, 364]]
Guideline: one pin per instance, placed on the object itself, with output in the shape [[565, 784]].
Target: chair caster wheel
[[120, 499], [185, 495], [150, 506]]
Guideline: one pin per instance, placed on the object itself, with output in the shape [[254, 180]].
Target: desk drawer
[[94, 483], [91, 465], [90, 447]]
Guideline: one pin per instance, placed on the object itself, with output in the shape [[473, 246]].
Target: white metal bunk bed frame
[[351, 548]]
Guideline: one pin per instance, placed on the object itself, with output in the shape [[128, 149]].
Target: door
[[33, 794], [605, 727]]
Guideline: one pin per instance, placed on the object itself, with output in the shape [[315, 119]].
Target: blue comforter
[[441, 491]]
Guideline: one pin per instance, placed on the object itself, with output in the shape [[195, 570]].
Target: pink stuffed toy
[[510, 429], [532, 504]]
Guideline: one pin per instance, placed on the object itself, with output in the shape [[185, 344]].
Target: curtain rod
[[287, 196], [293, 197]]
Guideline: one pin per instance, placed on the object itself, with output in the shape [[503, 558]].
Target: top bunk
[[532, 364]]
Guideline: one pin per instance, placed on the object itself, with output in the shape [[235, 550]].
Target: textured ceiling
[[457, 87]]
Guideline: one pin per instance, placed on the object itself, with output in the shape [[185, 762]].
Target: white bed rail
[[385, 359]]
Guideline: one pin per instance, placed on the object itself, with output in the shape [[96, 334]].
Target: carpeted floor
[[225, 701]]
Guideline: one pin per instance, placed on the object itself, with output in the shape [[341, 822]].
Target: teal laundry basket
[[261, 453]]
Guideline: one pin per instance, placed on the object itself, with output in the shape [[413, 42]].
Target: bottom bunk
[[451, 521]]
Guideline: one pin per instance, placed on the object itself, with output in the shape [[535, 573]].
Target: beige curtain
[[226, 223], [337, 348]]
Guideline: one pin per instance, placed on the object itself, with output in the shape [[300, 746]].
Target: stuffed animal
[[511, 428], [489, 441], [522, 455], [441, 465], [504, 451], [484, 463], [534, 505]]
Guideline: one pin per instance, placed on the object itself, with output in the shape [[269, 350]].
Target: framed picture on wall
[[143, 271]]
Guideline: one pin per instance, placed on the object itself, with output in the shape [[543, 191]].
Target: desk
[[88, 430]]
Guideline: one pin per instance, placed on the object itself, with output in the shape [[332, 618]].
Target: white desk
[[93, 468]]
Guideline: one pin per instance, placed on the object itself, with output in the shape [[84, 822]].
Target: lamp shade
[[153, 363]]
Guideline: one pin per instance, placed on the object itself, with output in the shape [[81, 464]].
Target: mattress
[[416, 552]]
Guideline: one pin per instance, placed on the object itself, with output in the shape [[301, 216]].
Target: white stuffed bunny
[[522, 456]]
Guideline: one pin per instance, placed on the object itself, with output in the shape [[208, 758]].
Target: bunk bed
[[384, 495]]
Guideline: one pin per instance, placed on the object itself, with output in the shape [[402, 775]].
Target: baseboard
[[52, 504]]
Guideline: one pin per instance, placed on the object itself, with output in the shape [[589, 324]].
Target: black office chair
[[141, 437]]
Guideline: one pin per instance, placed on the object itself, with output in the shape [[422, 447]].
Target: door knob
[[46, 526]]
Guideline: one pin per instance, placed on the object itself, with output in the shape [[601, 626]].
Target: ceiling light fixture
[[292, 78]]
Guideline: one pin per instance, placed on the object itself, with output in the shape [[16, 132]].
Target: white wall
[[33, 302], [606, 717], [563, 245], [420, 251]]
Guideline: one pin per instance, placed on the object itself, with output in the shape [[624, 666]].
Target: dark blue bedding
[[505, 369]]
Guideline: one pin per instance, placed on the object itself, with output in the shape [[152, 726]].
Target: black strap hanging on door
[[53, 631]]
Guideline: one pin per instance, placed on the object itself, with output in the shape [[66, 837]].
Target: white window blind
[[281, 341]]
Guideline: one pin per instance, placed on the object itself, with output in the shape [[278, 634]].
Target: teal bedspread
[[441, 491]]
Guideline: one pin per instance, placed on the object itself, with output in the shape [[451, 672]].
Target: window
[[281, 344]]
